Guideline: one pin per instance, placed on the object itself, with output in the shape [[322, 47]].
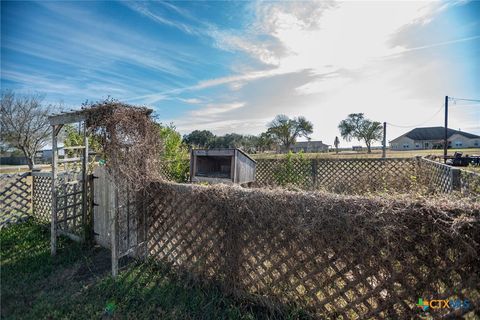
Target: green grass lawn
[[76, 284]]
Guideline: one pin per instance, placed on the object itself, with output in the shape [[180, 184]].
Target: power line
[[468, 105], [462, 99], [420, 124]]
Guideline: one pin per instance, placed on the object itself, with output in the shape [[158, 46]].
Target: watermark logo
[[424, 305], [434, 304]]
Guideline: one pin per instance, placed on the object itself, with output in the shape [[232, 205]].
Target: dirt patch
[[95, 266]]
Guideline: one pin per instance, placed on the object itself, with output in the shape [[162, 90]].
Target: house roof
[[435, 133]]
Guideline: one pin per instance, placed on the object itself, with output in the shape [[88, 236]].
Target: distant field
[[330, 155], [19, 169], [374, 154]]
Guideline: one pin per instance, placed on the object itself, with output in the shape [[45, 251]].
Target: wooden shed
[[221, 166]]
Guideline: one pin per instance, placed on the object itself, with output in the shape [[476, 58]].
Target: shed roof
[[435, 133], [227, 149]]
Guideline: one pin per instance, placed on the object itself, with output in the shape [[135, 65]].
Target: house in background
[[309, 146], [432, 138], [17, 158]]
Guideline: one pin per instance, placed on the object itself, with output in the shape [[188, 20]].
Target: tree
[[73, 137], [175, 153], [199, 138], [286, 130], [25, 124], [265, 141], [357, 126], [336, 143]]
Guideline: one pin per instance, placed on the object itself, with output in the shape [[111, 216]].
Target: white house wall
[[456, 141], [402, 143], [460, 141]]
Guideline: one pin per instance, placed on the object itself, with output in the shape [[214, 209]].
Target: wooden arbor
[[69, 182], [119, 213]]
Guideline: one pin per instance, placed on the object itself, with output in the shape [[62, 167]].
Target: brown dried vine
[[129, 139]]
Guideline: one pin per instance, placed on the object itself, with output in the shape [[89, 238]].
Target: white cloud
[[191, 100], [349, 63], [323, 85], [346, 35], [213, 110]]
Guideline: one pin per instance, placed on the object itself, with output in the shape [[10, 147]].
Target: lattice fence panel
[[15, 198], [42, 197], [178, 235], [340, 175], [438, 177], [69, 202], [343, 266], [470, 183], [175, 171]]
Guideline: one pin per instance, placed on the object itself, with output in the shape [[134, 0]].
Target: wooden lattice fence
[[335, 256], [42, 196], [470, 183], [339, 175], [438, 177], [356, 175], [15, 198]]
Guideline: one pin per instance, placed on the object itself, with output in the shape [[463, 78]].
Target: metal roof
[[434, 133], [226, 149]]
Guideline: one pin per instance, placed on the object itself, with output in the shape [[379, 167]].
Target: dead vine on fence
[[130, 141], [342, 257]]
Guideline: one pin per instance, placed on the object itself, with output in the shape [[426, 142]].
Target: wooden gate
[[119, 218]]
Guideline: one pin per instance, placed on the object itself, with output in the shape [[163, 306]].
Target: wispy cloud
[[215, 110], [191, 100], [143, 8], [236, 68]]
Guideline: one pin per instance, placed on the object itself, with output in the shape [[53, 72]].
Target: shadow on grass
[[76, 284]]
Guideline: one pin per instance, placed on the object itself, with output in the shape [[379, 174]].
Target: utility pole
[[384, 145], [445, 140]]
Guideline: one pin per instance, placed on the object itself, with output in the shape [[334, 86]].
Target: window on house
[[458, 143], [417, 145], [405, 146]]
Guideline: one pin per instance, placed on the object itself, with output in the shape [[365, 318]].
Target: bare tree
[[24, 123]]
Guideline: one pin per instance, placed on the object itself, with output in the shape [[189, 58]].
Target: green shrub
[[293, 170], [175, 164]]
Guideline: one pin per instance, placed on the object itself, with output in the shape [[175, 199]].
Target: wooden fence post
[[113, 213], [314, 172], [455, 179], [53, 222]]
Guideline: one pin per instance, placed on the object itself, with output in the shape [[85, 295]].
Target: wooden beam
[[85, 182], [113, 213], [53, 226], [57, 129], [67, 118]]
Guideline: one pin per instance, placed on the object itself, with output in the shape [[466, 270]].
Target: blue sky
[[232, 66]]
